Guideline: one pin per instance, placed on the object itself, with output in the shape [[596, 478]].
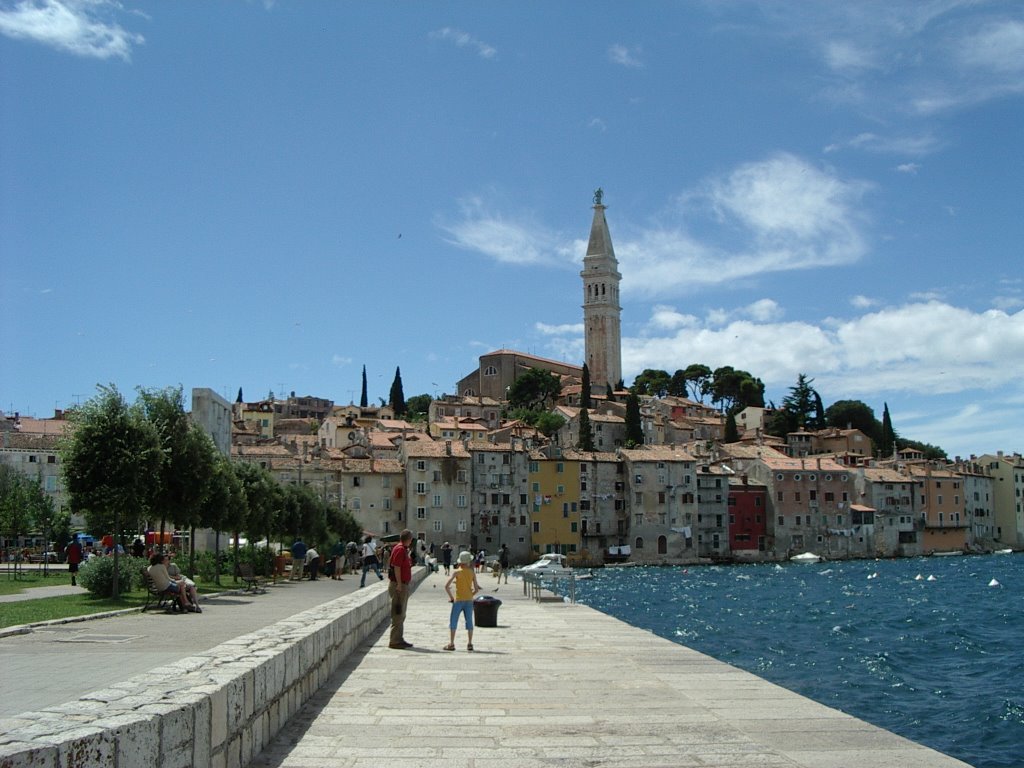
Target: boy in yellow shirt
[[466, 586]]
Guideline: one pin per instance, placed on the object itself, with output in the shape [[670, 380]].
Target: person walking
[[466, 587], [74, 554], [298, 557], [313, 563], [446, 557], [370, 560], [399, 580], [503, 563]]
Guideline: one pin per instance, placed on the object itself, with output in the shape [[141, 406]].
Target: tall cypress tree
[[634, 426], [732, 433], [363, 401], [888, 434], [586, 442], [397, 395], [585, 394]]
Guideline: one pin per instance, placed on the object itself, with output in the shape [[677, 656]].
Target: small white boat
[[806, 557], [548, 565], [1003, 552]]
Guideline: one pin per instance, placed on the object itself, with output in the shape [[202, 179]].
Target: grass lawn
[[67, 606], [27, 579], [47, 608]]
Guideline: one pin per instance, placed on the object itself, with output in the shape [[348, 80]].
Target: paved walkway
[[57, 663], [558, 684]]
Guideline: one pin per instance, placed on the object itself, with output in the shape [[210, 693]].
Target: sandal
[[449, 647], [469, 647]]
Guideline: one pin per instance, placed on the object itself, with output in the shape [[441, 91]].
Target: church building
[[601, 311]]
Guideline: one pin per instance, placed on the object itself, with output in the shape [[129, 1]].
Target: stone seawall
[[217, 709]]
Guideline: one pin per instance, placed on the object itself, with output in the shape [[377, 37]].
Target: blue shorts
[[464, 607], [172, 587]]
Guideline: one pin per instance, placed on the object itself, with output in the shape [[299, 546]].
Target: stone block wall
[[218, 709]]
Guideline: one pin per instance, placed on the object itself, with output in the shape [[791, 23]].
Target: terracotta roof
[[884, 475], [29, 442], [657, 453], [30, 426], [434, 449], [805, 464]]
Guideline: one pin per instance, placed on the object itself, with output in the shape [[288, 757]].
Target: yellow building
[[554, 504]]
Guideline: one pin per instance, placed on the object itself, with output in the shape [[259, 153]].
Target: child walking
[[466, 587]]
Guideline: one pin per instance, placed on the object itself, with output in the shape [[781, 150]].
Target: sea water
[[929, 648]]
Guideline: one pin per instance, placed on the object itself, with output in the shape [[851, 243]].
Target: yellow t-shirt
[[463, 584]]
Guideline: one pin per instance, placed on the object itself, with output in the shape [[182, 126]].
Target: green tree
[[585, 389], [887, 442], [609, 394], [732, 433], [109, 464], [733, 390], [16, 518], [535, 390], [549, 423], [363, 401], [417, 407], [799, 409], [187, 458], [854, 414], [397, 396], [698, 379], [651, 382], [634, 425], [586, 441], [677, 384]]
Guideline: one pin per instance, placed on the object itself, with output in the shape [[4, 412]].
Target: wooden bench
[[253, 583], [161, 598]]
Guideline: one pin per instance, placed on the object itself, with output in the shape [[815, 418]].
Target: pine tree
[[397, 395], [585, 394], [586, 442], [609, 395], [363, 400]]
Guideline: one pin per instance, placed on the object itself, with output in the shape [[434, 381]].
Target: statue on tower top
[[598, 194]]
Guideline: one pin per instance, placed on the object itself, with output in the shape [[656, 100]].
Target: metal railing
[[563, 584]]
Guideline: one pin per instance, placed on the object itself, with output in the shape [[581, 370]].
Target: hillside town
[[685, 492]]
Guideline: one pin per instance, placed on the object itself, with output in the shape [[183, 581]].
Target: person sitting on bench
[[162, 581]]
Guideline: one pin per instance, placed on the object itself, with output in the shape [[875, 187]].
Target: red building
[[748, 516]]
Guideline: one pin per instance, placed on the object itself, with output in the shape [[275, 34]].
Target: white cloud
[[998, 47], [911, 168], [926, 348], [847, 56], [764, 310], [340, 360], [1007, 303], [465, 40], [862, 302], [915, 146], [774, 215], [627, 57], [501, 238], [74, 26]]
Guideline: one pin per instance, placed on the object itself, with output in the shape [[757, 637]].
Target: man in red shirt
[[74, 555], [399, 578]]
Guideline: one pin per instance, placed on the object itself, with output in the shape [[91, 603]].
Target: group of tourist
[[463, 579]]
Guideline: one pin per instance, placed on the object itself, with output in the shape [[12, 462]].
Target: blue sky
[[271, 195]]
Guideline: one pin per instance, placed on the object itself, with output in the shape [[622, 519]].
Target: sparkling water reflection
[[926, 647]]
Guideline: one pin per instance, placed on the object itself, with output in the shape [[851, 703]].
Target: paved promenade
[[60, 662], [558, 684]]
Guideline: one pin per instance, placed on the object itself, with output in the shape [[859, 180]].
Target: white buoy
[[932, 578], [919, 577], [994, 583], [873, 575]]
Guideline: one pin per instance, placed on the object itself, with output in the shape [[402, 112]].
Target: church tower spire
[[601, 310]]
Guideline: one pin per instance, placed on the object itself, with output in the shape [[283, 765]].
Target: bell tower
[[601, 310]]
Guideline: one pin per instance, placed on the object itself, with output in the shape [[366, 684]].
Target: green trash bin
[[485, 611]]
